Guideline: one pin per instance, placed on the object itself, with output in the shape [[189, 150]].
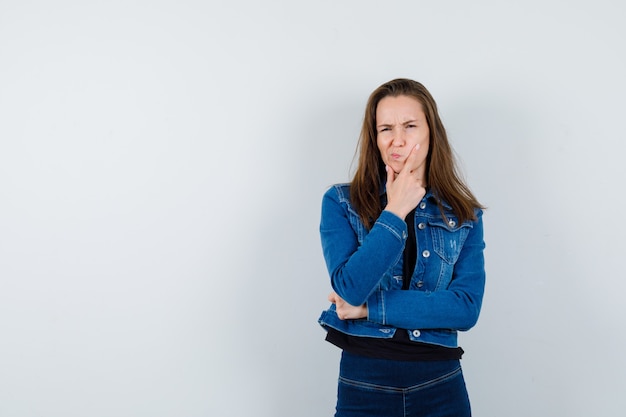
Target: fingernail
[[417, 146]]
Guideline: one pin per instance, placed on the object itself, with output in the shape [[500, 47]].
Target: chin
[[396, 167]]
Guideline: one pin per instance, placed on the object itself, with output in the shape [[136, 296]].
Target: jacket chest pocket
[[448, 238]]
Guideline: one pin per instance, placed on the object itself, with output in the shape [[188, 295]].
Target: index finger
[[410, 160]]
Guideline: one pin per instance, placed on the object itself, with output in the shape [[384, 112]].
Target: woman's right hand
[[346, 311], [407, 188]]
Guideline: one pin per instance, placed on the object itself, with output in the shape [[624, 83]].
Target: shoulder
[[339, 192]]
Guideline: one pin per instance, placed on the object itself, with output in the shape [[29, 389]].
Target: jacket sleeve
[[456, 307], [355, 270]]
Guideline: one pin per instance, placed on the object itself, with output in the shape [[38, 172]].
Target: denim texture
[[381, 387], [365, 267]]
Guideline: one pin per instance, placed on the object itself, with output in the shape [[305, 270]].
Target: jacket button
[[416, 333], [452, 223], [422, 205], [420, 284], [421, 226], [426, 253]]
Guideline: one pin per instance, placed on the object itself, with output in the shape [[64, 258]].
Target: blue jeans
[[381, 387]]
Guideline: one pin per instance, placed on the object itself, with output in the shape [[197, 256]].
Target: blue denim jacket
[[365, 267]]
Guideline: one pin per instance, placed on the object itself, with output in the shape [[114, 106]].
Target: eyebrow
[[404, 123]]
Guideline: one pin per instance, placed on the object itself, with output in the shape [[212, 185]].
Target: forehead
[[399, 106]]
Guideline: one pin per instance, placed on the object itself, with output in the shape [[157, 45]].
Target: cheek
[[425, 137], [425, 143], [381, 149], [425, 149]]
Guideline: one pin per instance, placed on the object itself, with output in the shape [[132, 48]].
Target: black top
[[410, 251], [398, 348]]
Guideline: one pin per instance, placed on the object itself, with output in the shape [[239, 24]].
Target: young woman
[[403, 244]]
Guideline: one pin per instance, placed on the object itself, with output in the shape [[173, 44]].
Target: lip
[[395, 156]]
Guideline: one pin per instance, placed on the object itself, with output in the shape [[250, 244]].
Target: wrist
[[398, 212]]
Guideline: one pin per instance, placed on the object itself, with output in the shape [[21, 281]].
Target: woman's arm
[[456, 307], [355, 271]]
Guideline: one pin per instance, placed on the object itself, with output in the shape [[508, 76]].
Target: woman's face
[[400, 125]]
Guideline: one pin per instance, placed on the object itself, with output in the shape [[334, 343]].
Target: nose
[[399, 138]]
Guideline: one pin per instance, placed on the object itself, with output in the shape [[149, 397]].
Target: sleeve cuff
[[376, 307], [394, 224]]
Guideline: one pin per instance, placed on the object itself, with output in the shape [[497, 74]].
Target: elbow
[[469, 318], [468, 311], [467, 324]]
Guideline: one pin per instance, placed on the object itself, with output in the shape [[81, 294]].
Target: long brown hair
[[441, 172]]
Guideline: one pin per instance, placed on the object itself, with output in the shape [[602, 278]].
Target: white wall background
[[162, 165]]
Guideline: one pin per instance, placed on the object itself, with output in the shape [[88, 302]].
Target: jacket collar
[[428, 196]]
